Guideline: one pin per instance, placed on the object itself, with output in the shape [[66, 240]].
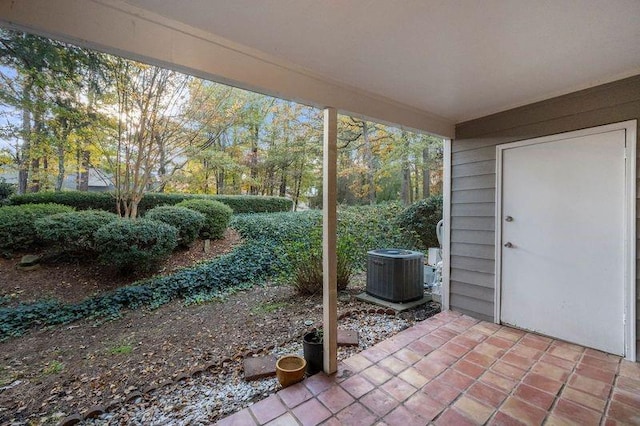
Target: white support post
[[446, 214], [329, 241]]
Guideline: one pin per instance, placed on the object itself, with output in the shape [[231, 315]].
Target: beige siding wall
[[473, 159]]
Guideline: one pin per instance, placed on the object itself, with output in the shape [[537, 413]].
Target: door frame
[[629, 272]]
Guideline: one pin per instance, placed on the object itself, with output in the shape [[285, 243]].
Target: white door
[[562, 230]]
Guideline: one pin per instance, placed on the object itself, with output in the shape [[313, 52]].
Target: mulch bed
[[73, 281], [50, 373]]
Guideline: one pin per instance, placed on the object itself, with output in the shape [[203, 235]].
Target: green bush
[[258, 258], [77, 199], [238, 203], [135, 244], [17, 224], [73, 232], [370, 228], [6, 191], [217, 216], [188, 222], [106, 201], [419, 221]]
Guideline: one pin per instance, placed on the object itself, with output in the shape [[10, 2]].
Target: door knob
[[508, 219], [508, 245]]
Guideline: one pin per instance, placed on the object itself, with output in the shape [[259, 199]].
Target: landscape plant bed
[[49, 374], [265, 253], [72, 281], [254, 261]]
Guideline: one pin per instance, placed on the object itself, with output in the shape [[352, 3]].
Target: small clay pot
[[290, 369]]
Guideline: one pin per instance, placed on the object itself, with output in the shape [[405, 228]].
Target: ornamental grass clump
[[306, 258], [308, 273]]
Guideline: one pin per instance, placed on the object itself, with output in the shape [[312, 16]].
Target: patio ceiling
[[425, 65]]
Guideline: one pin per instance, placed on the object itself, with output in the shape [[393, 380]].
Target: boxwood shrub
[[138, 244], [73, 232], [217, 216], [188, 222], [17, 224], [106, 201]]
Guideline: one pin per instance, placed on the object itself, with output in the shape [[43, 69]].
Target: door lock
[[508, 245], [508, 219]]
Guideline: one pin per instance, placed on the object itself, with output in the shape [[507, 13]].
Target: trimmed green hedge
[[138, 244], [105, 201], [73, 232], [419, 222], [17, 223], [217, 216], [188, 222]]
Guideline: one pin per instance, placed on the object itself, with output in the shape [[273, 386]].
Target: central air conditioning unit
[[395, 275]]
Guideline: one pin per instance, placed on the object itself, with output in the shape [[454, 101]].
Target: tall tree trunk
[[78, 165], [269, 185], [62, 136], [162, 167], [35, 175], [368, 153], [406, 186], [298, 185], [283, 183], [416, 179], [205, 184], [220, 182], [84, 155], [44, 183], [61, 168], [406, 171], [25, 149], [83, 175], [133, 208], [253, 161], [235, 186], [37, 141], [426, 174]]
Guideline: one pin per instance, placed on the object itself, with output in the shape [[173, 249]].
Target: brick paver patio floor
[[454, 370]]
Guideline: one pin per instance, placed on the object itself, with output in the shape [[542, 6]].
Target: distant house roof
[[9, 177], [97, 178]]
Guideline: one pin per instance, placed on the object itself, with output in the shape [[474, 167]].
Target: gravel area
[[215, 394]]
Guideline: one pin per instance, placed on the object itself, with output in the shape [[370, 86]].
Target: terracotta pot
[[290, 369]]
